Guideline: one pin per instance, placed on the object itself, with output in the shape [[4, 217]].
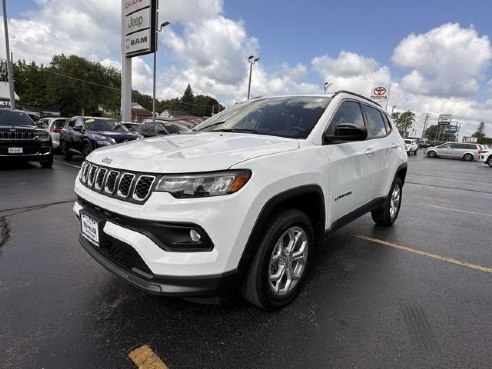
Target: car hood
[[186, 153]]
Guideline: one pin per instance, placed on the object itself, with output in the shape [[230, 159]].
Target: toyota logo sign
[[378, 91]]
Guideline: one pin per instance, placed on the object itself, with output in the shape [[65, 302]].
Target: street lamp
[[392, 109], [251, 61], [164, 24], [327, 85]]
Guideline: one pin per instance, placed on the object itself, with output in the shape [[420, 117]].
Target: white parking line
[[70, 165], [458, 210]]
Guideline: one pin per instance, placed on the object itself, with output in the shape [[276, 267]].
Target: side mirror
[[345, 132]]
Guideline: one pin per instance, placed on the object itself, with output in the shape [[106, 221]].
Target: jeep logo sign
[[379, 93], [139, 18]]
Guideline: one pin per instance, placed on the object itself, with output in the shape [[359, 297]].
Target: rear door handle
[[370, 151]]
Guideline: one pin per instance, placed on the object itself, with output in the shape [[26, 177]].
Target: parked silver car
[[455, 150]]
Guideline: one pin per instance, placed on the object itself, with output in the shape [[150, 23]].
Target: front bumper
[[196, 286]]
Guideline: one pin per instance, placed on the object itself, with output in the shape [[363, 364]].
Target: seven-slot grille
[[121, 184], [17, 136]]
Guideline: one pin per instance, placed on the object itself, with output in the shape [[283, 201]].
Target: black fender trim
[[268, 210]]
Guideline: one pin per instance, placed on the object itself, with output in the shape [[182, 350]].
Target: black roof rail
[[353, 93]]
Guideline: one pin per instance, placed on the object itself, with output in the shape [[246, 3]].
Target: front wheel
[[281, 262], [48, 163], [86, 149], [387, 215], [431, 154]]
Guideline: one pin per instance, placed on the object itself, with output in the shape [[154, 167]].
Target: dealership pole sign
[[379, 94], [139, 22], [444, 119]]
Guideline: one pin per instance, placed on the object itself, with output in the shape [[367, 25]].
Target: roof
[[5, 91]]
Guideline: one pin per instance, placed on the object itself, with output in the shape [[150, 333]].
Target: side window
[[387, 123], [375, 122], [79, 122], [456, 146], [71, 122], [348, 112]]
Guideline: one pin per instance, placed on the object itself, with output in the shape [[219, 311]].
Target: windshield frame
[[25, 121], [292, 117]]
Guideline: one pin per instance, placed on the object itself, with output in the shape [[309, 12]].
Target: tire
[[66, 155], [47, 163], [270, 283], [489, 161], [415, 152], [432, 154], [468, 157], [86, 149], [388, 214]]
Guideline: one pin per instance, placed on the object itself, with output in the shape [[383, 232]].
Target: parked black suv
[[82, 135], [20, 139]]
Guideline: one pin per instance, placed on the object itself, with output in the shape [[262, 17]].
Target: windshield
[[292, 117], [97, 124], [14, 118]]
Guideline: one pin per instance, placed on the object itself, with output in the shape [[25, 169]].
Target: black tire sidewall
[[272, 234], [86, 144]]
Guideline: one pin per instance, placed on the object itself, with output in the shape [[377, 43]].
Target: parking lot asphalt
[[416, 295]]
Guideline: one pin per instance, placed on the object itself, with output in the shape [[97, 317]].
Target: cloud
[[351, 71], [448, 61]]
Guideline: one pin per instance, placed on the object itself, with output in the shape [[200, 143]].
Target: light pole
[[392, 109], [164, 24], [327, 85], [10, 70], [251, 61]]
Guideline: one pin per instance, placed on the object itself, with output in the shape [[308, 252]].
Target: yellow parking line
[[144, 358], [70, 165], [429, 254], [458, 210]]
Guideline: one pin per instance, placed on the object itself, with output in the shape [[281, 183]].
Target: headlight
[[204, 184], [42, 134], [101, 140]]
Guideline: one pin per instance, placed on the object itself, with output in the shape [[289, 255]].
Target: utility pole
[[10, 71], [427, 115]]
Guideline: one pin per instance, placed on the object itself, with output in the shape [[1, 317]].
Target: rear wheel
[[387, 215], [66, 155], [431, 154], [468, 157], [281, 262]]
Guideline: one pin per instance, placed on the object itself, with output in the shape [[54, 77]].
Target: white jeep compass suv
[[241, 201]]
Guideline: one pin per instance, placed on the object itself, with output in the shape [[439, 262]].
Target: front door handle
[[370, 151]]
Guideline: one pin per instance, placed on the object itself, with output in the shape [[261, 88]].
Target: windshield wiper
[[240, 130]]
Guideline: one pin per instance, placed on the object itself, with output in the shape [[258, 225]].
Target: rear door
[[379, 151]]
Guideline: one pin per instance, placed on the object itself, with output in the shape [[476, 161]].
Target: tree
[[480, 132], [188, 99], [432, 133], [403, 121]]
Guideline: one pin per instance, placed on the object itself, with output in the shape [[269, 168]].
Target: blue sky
[[435, 55]]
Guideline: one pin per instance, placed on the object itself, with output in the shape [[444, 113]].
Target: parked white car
[[240, 202], [53, 126], [411, 146], [485, 156]]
